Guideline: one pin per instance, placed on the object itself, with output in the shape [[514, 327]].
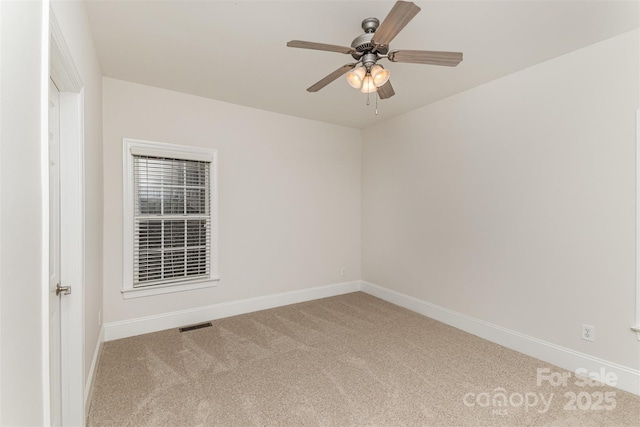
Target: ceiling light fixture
[[356, 76], [380, 75], [368, 85], [368, 78]]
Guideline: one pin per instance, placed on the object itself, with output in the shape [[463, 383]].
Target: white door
[[54, 255]]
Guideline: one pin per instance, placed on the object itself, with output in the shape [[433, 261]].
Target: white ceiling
[[235, 51]]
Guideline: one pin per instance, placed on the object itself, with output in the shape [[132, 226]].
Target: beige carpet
[[342, 361]]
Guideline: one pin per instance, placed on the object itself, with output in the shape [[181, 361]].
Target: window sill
[[167, 289]]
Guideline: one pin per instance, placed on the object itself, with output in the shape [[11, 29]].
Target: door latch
[[64, 290]]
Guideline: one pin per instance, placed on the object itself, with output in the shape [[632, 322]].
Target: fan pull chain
[[369, 102], [376, 102]]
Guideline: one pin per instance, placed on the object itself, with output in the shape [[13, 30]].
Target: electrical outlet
[[343, 271], [99, 317], [588, 333]]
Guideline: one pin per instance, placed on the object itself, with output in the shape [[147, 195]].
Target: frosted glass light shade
[[368, 85], [355, 77], [380, 75]]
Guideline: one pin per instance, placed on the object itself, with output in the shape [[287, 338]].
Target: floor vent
[[194, 327]]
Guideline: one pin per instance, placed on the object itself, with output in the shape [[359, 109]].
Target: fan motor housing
[[362, 44]]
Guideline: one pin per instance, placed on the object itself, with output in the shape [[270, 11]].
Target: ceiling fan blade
[[386, 90], [319, 46], [331, 77], [400, 14], [450, 59]]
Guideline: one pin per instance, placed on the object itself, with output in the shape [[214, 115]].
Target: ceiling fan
[[368, 48]]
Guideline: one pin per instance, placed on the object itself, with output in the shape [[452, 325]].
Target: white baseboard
[[144, 325], [628, 379], [88, 389]]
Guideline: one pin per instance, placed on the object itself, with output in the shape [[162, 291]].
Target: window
[[170, 218]]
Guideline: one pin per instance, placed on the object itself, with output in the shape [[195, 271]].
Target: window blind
[[172, 219]]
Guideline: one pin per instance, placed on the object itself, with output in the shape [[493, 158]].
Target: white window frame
[[133, 147]]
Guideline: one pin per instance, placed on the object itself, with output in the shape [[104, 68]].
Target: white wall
[[22, 354], [289, 193], [514, 202], [72, 17]]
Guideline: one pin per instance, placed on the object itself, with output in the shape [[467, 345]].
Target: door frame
[[636, 327], [64, 73]]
